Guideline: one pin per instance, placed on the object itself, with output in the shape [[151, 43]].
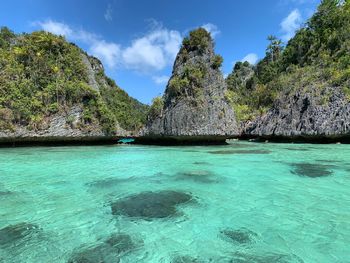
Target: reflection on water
[[244, 202]]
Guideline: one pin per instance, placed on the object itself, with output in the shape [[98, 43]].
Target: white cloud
[[68, 32], [84, 36], [212, 29], [56, 28], [108, 15], [152, 52], [160, 80], [252, 58], [290, 24], [107, 52]]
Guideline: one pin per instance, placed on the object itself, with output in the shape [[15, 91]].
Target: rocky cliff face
[[194, 101], [58, 126], [305, 114]]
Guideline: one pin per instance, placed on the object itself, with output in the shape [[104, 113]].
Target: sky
[[137, 40]]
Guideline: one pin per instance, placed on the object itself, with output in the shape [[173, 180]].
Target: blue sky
[[137, 40]]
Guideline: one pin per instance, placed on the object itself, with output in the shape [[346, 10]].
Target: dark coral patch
[[13, 233], [150, 205], [239, 236], [109, 251], [311, 170], [240, 152]]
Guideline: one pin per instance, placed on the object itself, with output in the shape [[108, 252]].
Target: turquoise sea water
[[244, 202]]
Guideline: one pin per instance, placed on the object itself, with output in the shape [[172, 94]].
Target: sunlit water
[[249, 203]]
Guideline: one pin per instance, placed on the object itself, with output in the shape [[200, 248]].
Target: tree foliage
[[156, 108], [217, 62]]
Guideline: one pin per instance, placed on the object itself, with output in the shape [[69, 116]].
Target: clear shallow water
[[250, 202]]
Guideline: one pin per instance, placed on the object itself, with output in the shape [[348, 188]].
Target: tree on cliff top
[[199, 39]]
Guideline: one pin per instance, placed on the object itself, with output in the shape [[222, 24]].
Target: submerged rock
[[121, 243], [241, 257], [110, 182], [196, 176], [200, 163], [240, 152], [98, 254], [194, 107], [150, 205], [185, 259], [299, 149], [328, 161], [5, 193], [239, 236], [13, 233], [109, 251], [311, 170], [241, 145]]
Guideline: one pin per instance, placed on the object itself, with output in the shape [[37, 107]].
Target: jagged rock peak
[[194, 99], [194, 63]]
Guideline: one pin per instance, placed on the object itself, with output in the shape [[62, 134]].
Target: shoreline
[[58, 141], [310, 139], [166, 140]]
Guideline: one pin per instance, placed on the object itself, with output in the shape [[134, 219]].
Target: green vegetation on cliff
[[189, 82], [41, 74], [156, 107], [316, 57]]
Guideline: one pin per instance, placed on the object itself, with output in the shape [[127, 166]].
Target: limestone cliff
[[307, 114], [300, 90], [194, 99], [52, 90]]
